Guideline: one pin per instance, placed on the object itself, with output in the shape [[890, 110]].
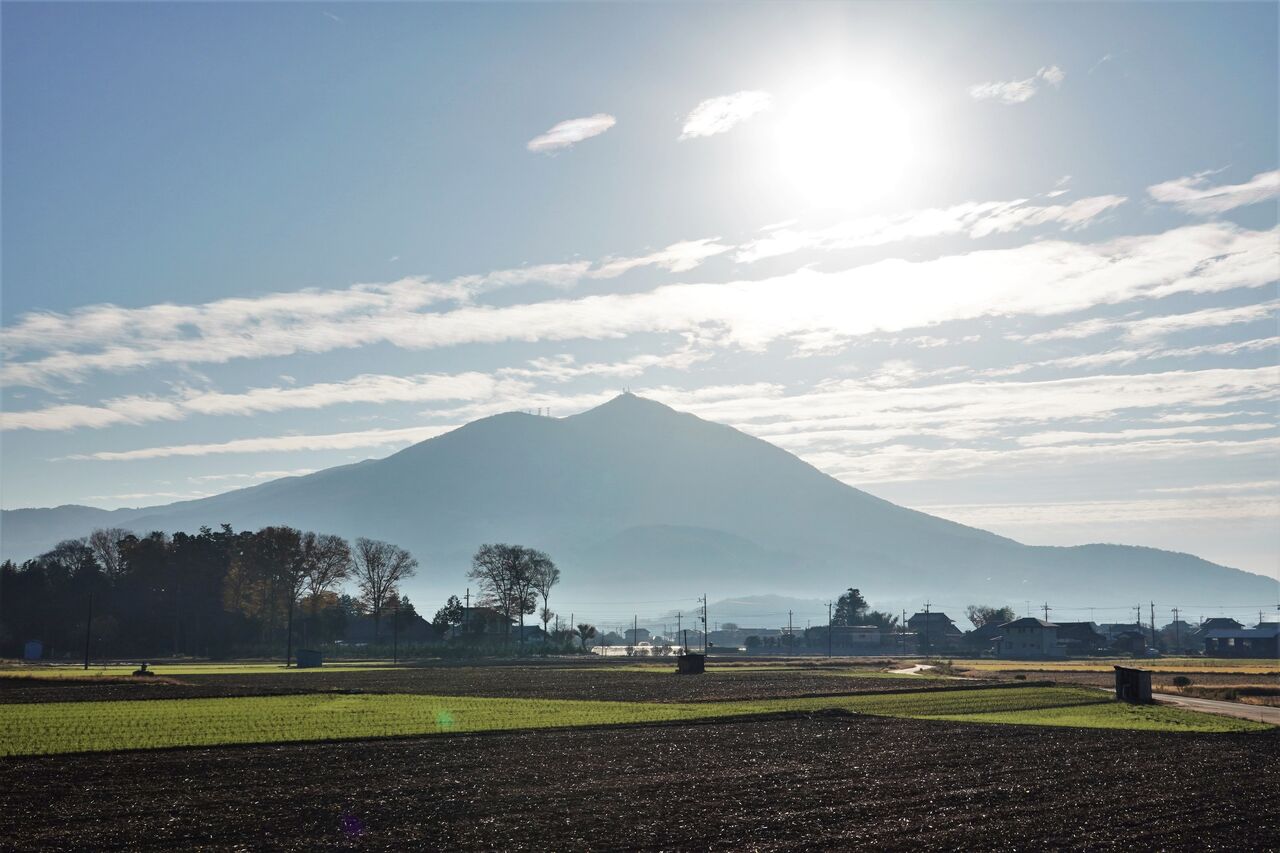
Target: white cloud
[[570, 132], [814, 309], [1092, 513], [366, 388], [130, 338], [1147, 328], [279, 444], [973, 219], [717, 115], [1018, 91], [255, 476], [1194, 195]]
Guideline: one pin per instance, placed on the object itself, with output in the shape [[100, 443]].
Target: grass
[[68, 727]]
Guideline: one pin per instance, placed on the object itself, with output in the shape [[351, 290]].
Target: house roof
[[1028, 622], [1263, 632]]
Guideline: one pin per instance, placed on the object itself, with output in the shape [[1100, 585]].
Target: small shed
[[33, 650], [309, 658], [1133, 685], [691, 664]]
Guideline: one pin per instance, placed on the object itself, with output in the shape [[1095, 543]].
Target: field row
[[52, 728]]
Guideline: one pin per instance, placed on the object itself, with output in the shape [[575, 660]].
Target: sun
[[845, 143]]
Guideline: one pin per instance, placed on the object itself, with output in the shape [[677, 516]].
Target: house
[[935, 630], [1130, 642], [482, 621], [845, 639], [1111, 631], [734, 638], [1080, 638], [1220, 623], [983, 638], [1258, 642], [1028, 638], [529, 633]]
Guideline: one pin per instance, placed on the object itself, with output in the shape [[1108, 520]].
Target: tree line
[[207, 594]]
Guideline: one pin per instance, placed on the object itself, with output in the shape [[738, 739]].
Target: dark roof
[[1027, 622], [1265, 631], [1219, 622]]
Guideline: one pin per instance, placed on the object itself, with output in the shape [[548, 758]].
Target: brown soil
[[814, 782], [494, 681]]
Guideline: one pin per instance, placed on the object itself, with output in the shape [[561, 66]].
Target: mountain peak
[[627, 404]]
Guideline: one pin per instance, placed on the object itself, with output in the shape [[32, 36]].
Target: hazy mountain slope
[[633, 496]]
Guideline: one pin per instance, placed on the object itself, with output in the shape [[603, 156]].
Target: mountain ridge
[[632, 494]]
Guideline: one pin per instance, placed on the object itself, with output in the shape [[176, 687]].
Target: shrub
[[1019, 677], [1181, 681]]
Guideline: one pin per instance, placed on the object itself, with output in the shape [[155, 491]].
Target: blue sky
[[1012, 265]]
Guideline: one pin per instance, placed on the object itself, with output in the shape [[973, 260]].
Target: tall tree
[[849, 608], [546, 576], [585, 632], [379, 569], [508, 575], [981, 614], [105, 542], [449, 616], [283, 560], [326, 561]]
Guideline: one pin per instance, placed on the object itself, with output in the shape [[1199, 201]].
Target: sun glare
[[845, 143]]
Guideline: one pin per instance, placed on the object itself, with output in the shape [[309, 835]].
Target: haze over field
[[1027, 289]]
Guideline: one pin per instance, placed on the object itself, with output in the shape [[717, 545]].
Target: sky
[[1013, 265]]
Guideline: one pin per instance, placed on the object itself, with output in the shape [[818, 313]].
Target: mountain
[[636, 500]]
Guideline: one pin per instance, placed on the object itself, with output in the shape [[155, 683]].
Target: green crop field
[[63, 727]]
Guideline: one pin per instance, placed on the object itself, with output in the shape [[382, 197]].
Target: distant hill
[[637, 501]]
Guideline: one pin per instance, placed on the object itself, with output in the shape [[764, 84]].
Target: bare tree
[[105, 542], [546, 576], [328, 562], [507, 575], [281, 554], [379, 569]]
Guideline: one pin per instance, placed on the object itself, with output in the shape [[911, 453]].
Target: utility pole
[[680, 631], [791, 635], [1177, 632], [88, 628], [1045, 606], [828, 629], [902, 629], [705, 624], [1153, 625], [926, 626], [466, 613], [395, 631]]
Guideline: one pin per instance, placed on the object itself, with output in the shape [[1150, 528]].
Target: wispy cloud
[[1160, 325], [717, 115], [278, 444], [571, 132], [131, 338], [254, 476], [1018, 91], [816, 310], [1194, 194], [973, 219]]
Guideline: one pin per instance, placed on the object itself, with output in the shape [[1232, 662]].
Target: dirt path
[[1260, 713], [918, 669]]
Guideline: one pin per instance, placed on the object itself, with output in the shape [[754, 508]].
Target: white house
[[1028, 638]]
